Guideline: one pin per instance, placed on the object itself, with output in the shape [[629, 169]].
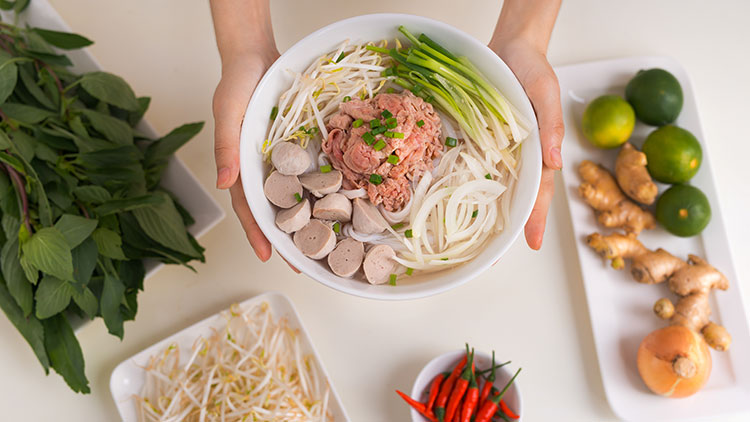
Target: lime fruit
[[674, 155], [656, 96], [608, 121], [683, 210]]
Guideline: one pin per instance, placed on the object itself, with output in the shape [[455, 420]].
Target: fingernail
[[222, 179], [556, 158]]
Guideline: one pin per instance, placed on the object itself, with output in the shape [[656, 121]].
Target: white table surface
[[530, 307]]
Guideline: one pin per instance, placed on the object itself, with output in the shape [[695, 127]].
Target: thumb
[[545, 97]]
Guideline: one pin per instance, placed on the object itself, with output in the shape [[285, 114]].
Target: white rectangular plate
[[619, 307], [128, 377]]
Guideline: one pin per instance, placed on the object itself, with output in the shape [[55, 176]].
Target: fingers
[[544, 93], [538, 219], [290, 265], [258, 241]]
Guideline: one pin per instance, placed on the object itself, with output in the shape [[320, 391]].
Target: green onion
[[390, 90], [408, 234], [274, 112], [347, 98], [475, 214], [429, 99], [368, 137], [340, 57], [451, 142], [488, 176], [398, 135], [298, 197], [409, 271], [392, 279], [374, 123], [378, 130], [397, 226], [391, 71], [326, 168], [376, 179], [337, 227], [376, 49], [379, 145], [391, 122], [416, 89], [443, 259], [393, 159], [420, 123], [312, 131], [386, 114], [357, 123]]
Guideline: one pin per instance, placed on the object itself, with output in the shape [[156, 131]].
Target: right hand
[[239, 77]]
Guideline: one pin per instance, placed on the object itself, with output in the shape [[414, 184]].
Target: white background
[[530, 307]]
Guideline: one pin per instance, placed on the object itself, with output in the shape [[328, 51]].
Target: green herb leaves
[[64, 40], [109, 88], [65, 353], [49, 252], [163, 223]]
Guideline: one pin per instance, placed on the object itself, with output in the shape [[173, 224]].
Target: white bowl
[[369, 28], [446, 362]]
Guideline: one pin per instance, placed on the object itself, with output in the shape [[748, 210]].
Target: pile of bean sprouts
[[454, 210], [251, 370]]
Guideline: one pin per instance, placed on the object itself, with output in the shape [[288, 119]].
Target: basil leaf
[[127, 204], [75, 229], [84, 261], [29, 327], [48, 251], [29, 82], [43, 152], [112, 295], [92, 194], [8, 76], [50, 58], [64, 40], [26, 113], [163, 224], [110, 88], [9, 159], [52, 296], [112, 128], [31, 272], [23, 144], [65, 353], [18, 286], [108, 243], [135, 117], [87, 302], [161, 149]]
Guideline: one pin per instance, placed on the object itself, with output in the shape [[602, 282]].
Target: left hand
[[529, 64]]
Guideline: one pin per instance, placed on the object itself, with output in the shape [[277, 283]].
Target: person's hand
[[530, 66], [239, 76]]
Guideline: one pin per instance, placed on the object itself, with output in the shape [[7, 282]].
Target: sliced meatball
[[321, 184], [346, 257], [281, 190], [315, 240], [293, 219], [366, 218], [379, 264], [290, 159], [335, 207]]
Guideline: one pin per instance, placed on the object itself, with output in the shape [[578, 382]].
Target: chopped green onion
[[393, 159], [443, 259], [420, 123], [398, 135], [388, 72], [312, 131], [376, 49], [386, 114], [368, 137], [409, 271], [475, 214], [357, 123], [337, 227], [376, 179], [391, 122], [302, 129], [347, 98], [488, 176], [326, 168], [374, 123], [340, 57], [397, 226], [274, 112], [408, 234], [379, 145], [378, 130], [392, 279], [298, 197], [390, 90], [451, 142], [429, 99], [416, 89]]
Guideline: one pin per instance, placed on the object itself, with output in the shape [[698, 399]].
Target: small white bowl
[[446, 362], [369, 28]]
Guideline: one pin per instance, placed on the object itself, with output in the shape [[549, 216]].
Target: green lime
[[683, 210], [656, 96], [674, 155], [608, 121]]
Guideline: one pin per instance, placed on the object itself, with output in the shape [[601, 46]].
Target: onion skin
[[665, 351]]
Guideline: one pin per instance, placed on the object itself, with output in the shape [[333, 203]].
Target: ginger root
[[633, 177], [691, 280], [599, 189]]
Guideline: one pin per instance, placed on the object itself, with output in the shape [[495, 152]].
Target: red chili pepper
[[434, 389], [462, 384], [490, 406], [456, 417], [504, 407], [470, 401], [419, 407], [446, 388], [488, 383]]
